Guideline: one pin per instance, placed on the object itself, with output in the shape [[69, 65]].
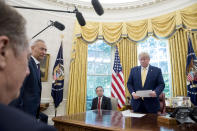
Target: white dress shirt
[[36, 61]]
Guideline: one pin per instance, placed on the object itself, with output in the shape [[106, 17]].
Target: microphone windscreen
[[97, 7], [59, 25], [80, 19]]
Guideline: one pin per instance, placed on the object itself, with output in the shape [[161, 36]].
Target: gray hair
[[38, 40], [12, 25], [143, 54]]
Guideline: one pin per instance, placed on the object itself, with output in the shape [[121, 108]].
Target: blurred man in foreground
[[14, 54]]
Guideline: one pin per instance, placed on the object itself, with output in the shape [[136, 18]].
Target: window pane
[[164, 66], [152, 42], [91, 68], [153, 53], [167, 85], [90, 93], [154, 64], [90, 82], [162, 53], [88, 104], [162, 43]]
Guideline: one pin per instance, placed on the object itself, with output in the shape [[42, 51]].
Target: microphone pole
[[42, 30], [31, 8]]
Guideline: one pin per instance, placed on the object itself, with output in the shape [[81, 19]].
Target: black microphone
[[58, 25], [97, 7], [80, 17]]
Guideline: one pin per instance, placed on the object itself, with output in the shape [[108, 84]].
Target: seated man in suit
[[101, 102], [14, 55], [145, 77]]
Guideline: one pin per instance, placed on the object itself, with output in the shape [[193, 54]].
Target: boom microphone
[[59, 25], [80, 17], [97, 7]]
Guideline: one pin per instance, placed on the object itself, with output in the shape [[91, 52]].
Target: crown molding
[[137, 10], [107, 6]]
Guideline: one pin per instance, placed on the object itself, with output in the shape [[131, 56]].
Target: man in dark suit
[[101, 102], [14, 54], [145, 77], [30, 94]]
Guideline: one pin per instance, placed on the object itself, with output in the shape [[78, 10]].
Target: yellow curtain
[[137, 30], [162, 27], [178, 45], [112, 32], [90, 31], [189, 16], [78, 78], [128, 58]]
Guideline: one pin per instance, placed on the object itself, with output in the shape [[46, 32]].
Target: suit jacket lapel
[[148, 75], [35, 68], [96, 103], [102, 103], [139, 76]]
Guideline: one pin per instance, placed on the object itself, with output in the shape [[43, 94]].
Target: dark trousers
[[142, 108], [43, 117]]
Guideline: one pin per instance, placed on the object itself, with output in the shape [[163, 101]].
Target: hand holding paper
[[135, 96], [144, 93], [153, 94]]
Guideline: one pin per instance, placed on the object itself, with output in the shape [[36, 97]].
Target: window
[[159, 57], [99, 70]]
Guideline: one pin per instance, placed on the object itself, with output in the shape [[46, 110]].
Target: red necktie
[[99, 103]]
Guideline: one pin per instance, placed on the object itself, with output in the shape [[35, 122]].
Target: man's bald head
[[39, 49]]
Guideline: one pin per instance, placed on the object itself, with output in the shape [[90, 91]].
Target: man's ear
[[4, 41]]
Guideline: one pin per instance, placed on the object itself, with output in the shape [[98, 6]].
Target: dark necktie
[[38, 70]]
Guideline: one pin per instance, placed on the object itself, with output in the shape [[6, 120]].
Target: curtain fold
[[128, 58], [137, 30], [112, 32], [90, 32], [189, 16], [163, 26], [78, 78], [178, 54]]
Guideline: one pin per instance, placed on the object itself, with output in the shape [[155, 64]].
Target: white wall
[[38, 20]]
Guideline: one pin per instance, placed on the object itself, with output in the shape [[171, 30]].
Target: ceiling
[[111, 1], [116, 11]]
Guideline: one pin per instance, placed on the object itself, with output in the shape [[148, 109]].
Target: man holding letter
[[148, 79]]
